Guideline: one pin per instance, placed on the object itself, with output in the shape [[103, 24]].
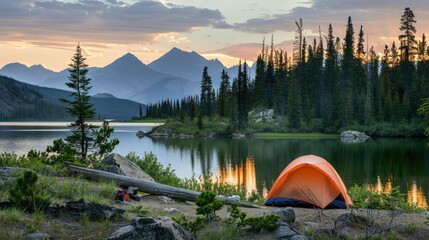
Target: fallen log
[[149, 186]]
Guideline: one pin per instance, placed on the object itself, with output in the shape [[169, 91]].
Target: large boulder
[[286, 214], [353, 137], [285, 232], [151, 228], [117, 164]]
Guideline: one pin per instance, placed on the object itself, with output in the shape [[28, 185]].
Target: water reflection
[[242, 175], [415, 194], [397, 162]]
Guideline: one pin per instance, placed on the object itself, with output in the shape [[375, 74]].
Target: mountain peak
[[127, 60], [14, 65], [175, 49], [129, 56]]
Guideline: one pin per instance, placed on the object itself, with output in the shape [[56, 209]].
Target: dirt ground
[[314, 223], [317, 222]]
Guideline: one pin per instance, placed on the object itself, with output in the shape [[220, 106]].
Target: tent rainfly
[[309, 181]]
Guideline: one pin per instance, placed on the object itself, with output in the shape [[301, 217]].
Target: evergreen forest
[[326, 84]]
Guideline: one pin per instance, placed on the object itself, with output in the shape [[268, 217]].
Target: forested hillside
[[19, 102]]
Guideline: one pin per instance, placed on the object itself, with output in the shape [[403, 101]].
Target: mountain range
[[174, 75]]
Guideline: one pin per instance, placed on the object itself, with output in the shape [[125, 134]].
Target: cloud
[[104, 21], [249, 51], [379, 18]]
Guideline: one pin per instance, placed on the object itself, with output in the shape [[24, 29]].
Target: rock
[[353, 134], [345, 221], [95, 212], [286, 214], [353, 137], [262, 113], [140, 134], [114, 169], [182, 135], [38, 236], [298, 237], [161, 132], [121, 166], [425, 213], [166, 199], [172, 210], [210, 135], [127, 232], [238, 135], [151, 228], [284, 232]]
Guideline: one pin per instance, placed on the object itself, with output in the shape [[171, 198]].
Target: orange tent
[[310, 179]]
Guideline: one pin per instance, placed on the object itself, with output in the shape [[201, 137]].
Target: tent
[[309, 181]]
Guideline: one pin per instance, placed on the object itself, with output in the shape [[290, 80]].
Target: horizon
[[250, 63], [47, 32]]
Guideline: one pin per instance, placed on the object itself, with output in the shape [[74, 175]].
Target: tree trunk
[[149, 186]]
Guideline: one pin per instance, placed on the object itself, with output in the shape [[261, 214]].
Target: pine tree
[[423, 69], [408, 50], [408, 39], [345, 85], [259, 96], [385, 85], [223, 94], [206, 97], [330, 76], [233, 114], [242, 96], [86, 142], [319, 62], [79, 106]]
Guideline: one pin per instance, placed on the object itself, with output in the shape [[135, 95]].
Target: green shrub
[[208, 205], [257, 224], [235, 215], [191, 226], [265, 223], [409, 229], [207, 183], [26, 194], [149, 163], [34, 160], [362, 197], [140, 210]]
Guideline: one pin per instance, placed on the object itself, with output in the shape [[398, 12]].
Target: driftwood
[[149, 186]]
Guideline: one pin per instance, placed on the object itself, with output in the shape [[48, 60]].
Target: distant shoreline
[[64, 124]]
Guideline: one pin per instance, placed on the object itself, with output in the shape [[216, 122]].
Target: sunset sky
[[46, 32]]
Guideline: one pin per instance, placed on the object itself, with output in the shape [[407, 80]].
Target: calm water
[[256, 163]]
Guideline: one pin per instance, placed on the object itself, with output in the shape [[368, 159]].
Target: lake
[[256, 163]]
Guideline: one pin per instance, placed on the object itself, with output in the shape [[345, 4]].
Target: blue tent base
[[290, 202]]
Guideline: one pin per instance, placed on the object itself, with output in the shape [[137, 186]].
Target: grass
[[221, 231], [294, 135], [13, 216], [148, 120], [59, 189], [15, 223]]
